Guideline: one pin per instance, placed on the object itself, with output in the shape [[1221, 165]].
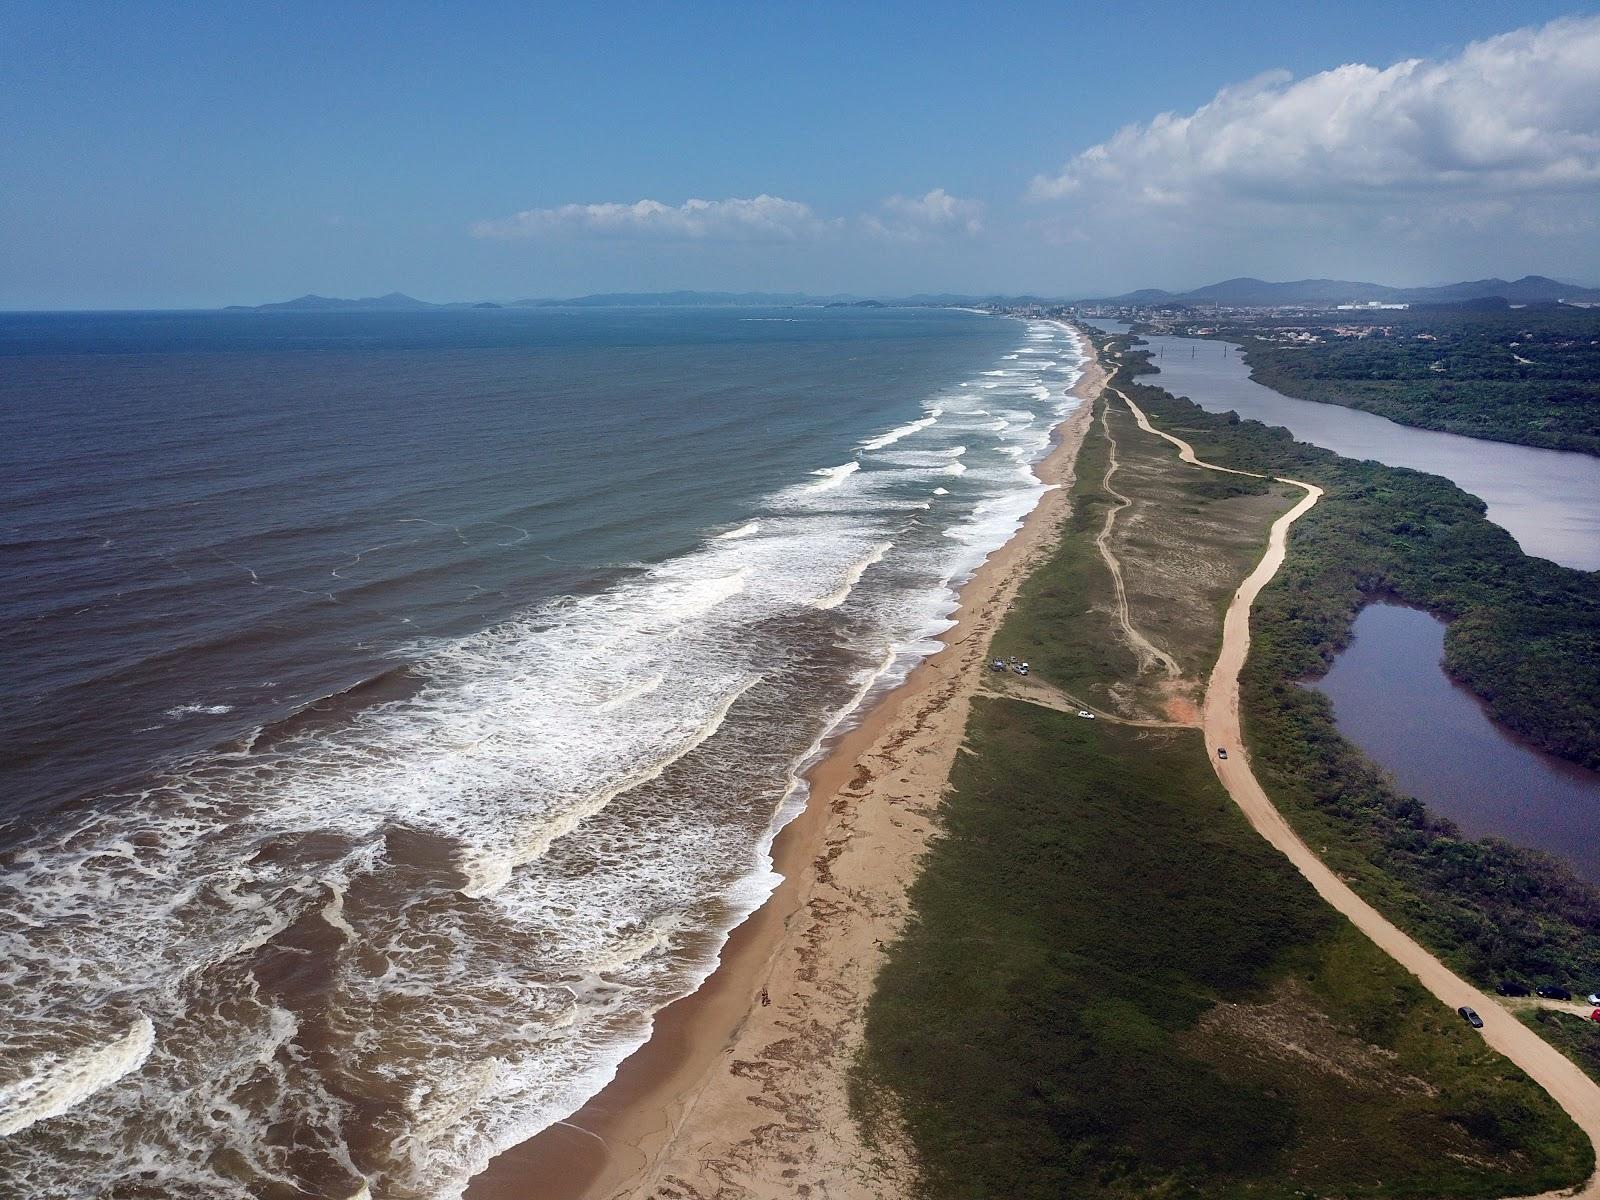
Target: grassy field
[[1072, 588], [1112, 987], [1577, 1037], [1184, 541]]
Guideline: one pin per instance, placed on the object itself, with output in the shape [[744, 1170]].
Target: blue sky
[[176, 155]]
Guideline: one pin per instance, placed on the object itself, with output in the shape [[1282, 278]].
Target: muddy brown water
[[1392, 698]]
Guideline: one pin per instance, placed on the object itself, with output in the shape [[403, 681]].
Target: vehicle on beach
[[1222, 752], [1470, 1016], [1089, 716], [1552, 992], [1510, 987]]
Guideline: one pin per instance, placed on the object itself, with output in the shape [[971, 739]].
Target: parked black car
[[1510, 987], [1555, 993], [1470, 1017]]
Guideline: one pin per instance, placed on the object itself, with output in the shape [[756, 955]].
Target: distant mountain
[[1530, 289], [1247, 292], [1142, 296], [393, 302], [1300, 291]]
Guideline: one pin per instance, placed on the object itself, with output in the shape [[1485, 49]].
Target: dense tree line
[[1528, 375], [1523, 633]]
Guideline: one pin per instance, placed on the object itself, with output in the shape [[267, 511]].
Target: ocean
[[399, 708]]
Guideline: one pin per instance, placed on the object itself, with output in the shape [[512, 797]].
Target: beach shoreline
[[742, 1089]]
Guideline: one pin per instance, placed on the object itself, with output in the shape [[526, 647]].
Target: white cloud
[[935, 213], [764, 218], [1514, 115], [761, 218]]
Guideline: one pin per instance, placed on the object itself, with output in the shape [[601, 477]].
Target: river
[[1549, 500]]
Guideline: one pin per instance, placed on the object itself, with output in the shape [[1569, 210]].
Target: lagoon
[[1392, 698]]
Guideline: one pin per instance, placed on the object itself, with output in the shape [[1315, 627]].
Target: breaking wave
[[367, 949]]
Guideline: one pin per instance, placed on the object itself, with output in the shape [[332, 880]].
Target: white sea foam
[[852, 576], [192, 710], [579, 803], [57, 1081], [832, 477], [894, 435], [631, 693], [487, 867]]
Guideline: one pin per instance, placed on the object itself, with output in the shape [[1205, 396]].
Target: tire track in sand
[[1149, 653]]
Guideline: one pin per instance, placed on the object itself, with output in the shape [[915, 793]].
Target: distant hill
[[393, 302], [1530, 289], [1248, 292]]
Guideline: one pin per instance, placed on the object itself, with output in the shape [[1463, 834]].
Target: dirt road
[[1147, 651], [1559, 1076]]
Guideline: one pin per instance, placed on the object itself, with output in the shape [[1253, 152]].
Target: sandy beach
[[742, 1090]]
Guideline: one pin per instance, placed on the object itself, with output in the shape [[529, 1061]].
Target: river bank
[[1392, 698], [1549, 500], [744, 1084], [1490, 909]]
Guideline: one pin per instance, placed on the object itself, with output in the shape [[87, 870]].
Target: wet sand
[[742, 1090]]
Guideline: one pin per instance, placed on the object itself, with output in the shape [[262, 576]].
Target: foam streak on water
[[369, 953]]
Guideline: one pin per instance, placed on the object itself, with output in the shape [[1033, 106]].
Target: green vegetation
[[1576, 1037], [1185, 540], [1112, 987], [1524, 634], [1071, 589], [1105, 975], [1529, 375]]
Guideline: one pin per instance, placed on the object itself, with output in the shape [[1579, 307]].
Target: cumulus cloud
[[1513, 115], [761, 218], [933, 214]]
